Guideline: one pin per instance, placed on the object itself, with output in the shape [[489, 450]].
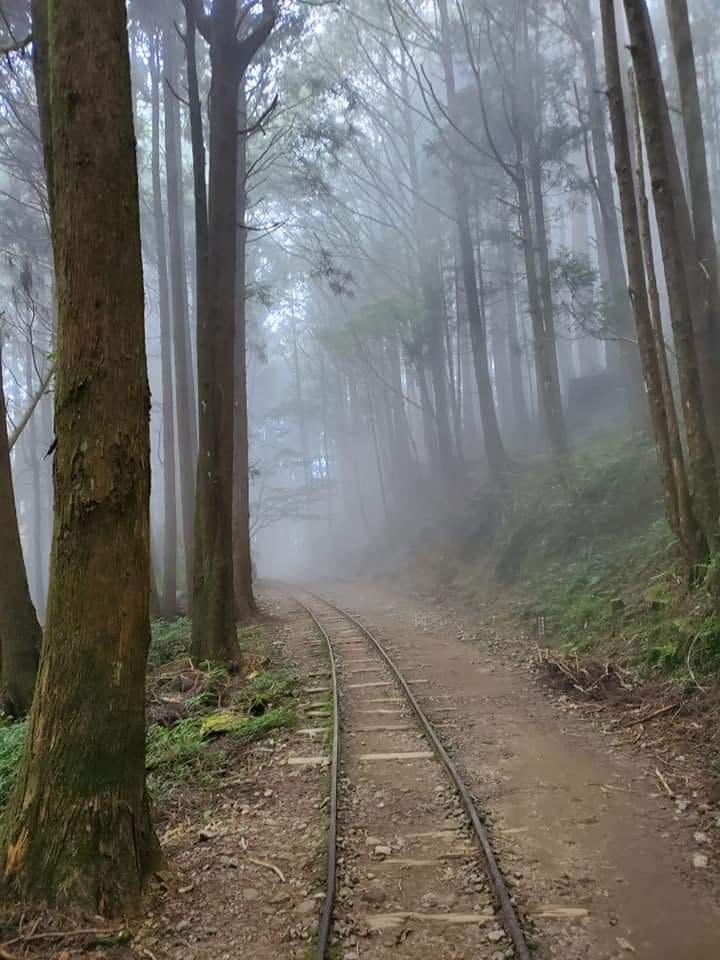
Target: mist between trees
[[392, 252]]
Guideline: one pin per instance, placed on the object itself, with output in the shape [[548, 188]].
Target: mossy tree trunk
[[78, 831], [20, 634]]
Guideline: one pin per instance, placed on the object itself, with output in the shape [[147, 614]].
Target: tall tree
[[242, 561], [20, 634], [494, 447], [78, 829], [670, 209], [620, 317], [678, 509], [707, 326], [168, 602], [214, 619], [184, 379]]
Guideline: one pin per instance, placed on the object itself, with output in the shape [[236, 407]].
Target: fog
[[431, 275]]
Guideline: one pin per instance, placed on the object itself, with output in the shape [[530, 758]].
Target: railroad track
[[408, 854]]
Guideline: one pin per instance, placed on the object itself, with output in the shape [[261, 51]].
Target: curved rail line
[[508, 913]]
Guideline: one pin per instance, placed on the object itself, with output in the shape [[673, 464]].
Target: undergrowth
[[12, 740], [584, 546], [191, 749], [214, 711], [170, 640], [196, 747]]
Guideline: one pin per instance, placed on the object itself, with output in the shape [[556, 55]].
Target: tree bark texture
[[78, 832], [213, 625]]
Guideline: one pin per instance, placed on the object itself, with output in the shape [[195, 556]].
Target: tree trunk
[[690, 535], [551, 372], [244, 598], [20, 634], [77, 832], [620, 318], [430, 280], [690, 538], [707, 326], [37, 578], [168, 597], [213, 624], [184, 379], [656, 124], [494, 449], [213, 627], [521, 416]]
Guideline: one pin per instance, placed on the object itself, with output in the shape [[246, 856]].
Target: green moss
[[12, 741], [191, 749], [266, 689]]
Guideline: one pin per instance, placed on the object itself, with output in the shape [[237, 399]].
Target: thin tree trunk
[[242, 559], [620, 319], [690, 534], [440, 452], [184, 380], [707, 328], [77, 833], [168, 598], [37, 580], [494, 449], [20, 634], [378, 459], [520, 409], [551, 372]]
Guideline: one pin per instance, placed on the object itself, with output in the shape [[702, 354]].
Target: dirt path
[[576, 825]]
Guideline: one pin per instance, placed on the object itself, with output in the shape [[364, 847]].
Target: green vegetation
[[220, 713], [219, 716], [587, 550], [170, 641], [265, 689], [12, 739], [191, 749]]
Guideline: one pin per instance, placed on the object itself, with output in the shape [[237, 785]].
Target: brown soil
[[580, 818]]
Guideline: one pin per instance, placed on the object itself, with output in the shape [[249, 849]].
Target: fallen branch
[[665, 784], [651, 716], [51, 935], [268, 866]]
